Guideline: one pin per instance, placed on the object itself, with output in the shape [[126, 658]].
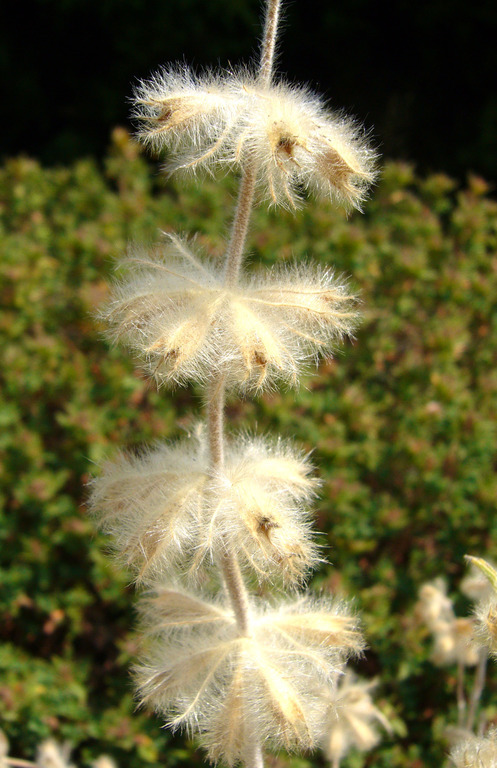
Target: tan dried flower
[[352, 718], [231, 119], [176, 312], [485, 629], [434, 607], [228, 688], [453, 637], [104, 761], [53, 755], [165, 514], [476, 585], [476, 751], [453, 643]]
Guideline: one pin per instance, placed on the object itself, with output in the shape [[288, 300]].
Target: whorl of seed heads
[[230, 119], [165, 513], [175, 311], [229, 688]]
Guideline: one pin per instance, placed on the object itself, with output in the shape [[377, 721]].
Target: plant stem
[[240, 224], [215, 424], [269, 40], [227, 562], [478, 686], [461, 701], [254, 757], [241, 219], [215, 408], [237, 591]]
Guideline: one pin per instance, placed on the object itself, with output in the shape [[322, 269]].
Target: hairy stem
[[239, 228], [215, 424], [269, 41], [227, 562], [237, 591], [234, 256]]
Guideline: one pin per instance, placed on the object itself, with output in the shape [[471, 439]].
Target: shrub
[[401, 425]]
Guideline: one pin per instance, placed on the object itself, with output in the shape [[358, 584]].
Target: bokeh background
[[423, 74], [402, 422]]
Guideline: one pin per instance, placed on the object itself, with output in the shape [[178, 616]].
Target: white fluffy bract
[[175, 311], [229, 688], [229, 119], [165, 514]]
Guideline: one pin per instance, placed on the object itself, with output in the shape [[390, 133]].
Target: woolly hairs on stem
[[204, 521]]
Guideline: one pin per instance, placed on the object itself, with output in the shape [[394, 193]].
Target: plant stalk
[[239, 228], [215, 409], [254, 757], [269, 41], [227, 562], [461, 700], [478, 686]]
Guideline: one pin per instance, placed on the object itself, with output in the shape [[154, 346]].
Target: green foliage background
[[402, 424]]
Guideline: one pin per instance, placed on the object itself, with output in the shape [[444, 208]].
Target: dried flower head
[[434, 607], [485, 629], [476, 584], [352, 718], [453, 643], [53, 755], [177, 313], [104, 761], [231, 119], [227, 688], [166, 513], [476, 752]]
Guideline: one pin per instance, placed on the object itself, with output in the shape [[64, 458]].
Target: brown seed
[[264, 526]]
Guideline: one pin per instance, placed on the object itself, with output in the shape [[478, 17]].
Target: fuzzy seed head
[[167, 514], [352, 718], [228, 688], [104, 761], [231, 120], [434, 608], [452, 636], [486, 624], [481, 581], [476, 751], [176, 313], [52, 755], [453, 643]]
